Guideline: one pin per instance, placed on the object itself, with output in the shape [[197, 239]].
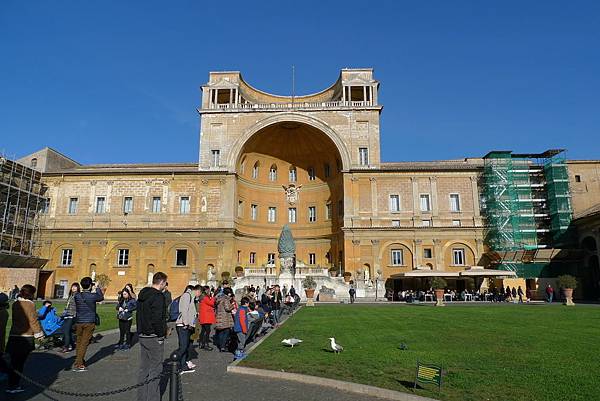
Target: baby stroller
[[51, 326]]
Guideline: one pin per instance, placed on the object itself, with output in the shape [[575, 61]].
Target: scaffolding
[[526, 205], [22, 202]]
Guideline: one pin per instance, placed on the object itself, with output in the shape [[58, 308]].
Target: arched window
[[273, 173], [293, 176], [243, 166], [255, 170]]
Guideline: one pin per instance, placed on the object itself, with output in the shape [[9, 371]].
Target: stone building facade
[[312, 162]]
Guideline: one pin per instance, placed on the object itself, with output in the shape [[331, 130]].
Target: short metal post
[[174, 381]]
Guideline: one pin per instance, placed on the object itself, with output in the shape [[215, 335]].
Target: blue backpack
[[174, 310]]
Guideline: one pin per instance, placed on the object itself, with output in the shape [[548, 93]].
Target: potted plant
[[309, 285], [568, 283], [347, 276], [333, 272], [438, 284], [239, 271]]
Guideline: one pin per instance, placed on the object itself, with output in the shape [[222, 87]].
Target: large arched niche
[[276, 156], [236, 151]]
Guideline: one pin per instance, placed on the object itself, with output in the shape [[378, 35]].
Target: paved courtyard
[[109, 369]]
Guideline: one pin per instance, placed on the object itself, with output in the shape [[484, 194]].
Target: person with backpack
[[241, 327], [224, 319], [125, 307], [168, 300], [151, 328], [87, 320], [185, 326], [206, 317]]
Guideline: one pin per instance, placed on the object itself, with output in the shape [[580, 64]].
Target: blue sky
[[118, 81]]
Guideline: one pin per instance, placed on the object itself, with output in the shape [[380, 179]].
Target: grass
[[107, 313], [506, 352]]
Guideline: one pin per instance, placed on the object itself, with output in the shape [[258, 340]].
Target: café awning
[[425, 274], [476, 271]]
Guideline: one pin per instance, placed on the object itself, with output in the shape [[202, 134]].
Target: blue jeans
[[68, 332], [183, 351], [221, 337], [550, 296]]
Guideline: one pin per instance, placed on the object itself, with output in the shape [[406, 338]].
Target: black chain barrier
[[176, 390]]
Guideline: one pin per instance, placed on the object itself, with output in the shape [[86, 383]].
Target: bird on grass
[[290, 342], [403, 347], [336, 347]]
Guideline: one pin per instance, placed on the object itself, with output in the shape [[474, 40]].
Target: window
[[271, 258], [340, 208], [100, 204], [327, 170], [394, 203], [311, 174], [33, 163], [454, 203], [312, 214], [181, 257], [243, 166], [312, 259], [45, 208], [395, 223], [123, 257], [255, 171], [456, 223], [156, 204], [292, 215], [127, 204], [253, 212], [577, 178], [272, 214], [426, 223], [252, 258], [66, 257], [427, 253], [397, 259], [425, 203], [458, 256], [293, 175], [73, 205], [240, 211], [363, 156], [184, 205], [215, 156], [273, 173], [328, 213]]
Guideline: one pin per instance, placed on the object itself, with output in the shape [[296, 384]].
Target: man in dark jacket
[[152, 328], [85, 305]]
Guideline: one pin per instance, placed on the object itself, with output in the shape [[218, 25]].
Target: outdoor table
[[468, 297], [446, 296]]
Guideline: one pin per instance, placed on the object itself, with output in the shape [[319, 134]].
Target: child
[[48, 318], [240, 326]]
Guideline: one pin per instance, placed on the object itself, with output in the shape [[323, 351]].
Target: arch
[[256, 170], [589, 244], [293, 174], [470, 254], [236, 149], [191, 246]]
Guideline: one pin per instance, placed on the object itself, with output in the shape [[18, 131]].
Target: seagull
[[291, 341], [335, 347]]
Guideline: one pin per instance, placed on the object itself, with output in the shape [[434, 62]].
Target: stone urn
[[568, 293], [439, 297], [309, 285], [310, 293], [347, 276]]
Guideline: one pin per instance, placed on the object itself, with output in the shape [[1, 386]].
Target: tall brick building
[[309, 161]]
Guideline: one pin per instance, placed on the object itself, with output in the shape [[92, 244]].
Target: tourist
[[224, 319], [513, 294], [520, 292], [15, 293], [284, 291], [549, 293], [129, 287], [85, 304], [352, 293], [25, 328], [276, 299], [185, 325], [206, 317], [293, 291], [507, 294], [51, 323], [241, 327], [68, 316], [3, 323], [125, 307], [168, 300], [151, 328]]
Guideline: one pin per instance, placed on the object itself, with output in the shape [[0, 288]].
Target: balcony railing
[[294, 105]]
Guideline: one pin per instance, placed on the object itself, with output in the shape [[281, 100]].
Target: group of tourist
[[196, 314], [494, 295]]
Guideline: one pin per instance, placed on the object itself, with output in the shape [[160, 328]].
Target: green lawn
[[107, 312], [506, 352]]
